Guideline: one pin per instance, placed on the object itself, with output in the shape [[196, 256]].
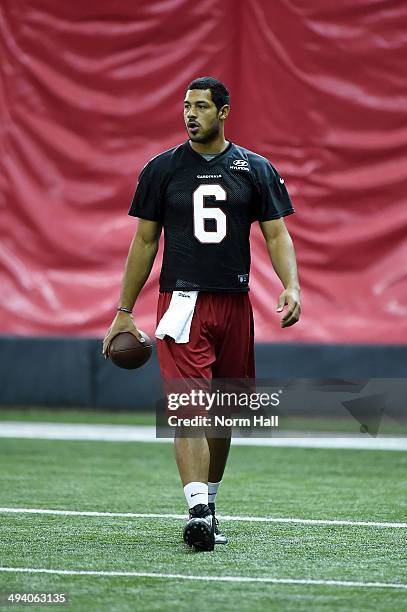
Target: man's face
[[202, 118]]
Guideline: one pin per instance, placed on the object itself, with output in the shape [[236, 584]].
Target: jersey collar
[[209, 162]]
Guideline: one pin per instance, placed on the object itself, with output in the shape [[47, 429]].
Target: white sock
[[212, 490], [196, 493]]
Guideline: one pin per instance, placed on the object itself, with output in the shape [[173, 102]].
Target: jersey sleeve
[[147, 200], [273, 199]]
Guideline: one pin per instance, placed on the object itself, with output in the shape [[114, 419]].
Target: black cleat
[[199, 530], [220, 538]]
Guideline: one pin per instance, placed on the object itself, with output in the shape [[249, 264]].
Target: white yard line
[[144, 433], [129, 574], [247, 519]]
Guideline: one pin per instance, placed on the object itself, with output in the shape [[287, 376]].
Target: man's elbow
[[280, 239], [149, 242]]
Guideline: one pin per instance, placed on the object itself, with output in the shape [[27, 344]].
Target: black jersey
[[206, 209]]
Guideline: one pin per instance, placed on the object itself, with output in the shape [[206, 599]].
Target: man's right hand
[[123, 322]]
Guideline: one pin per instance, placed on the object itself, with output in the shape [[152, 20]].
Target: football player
[[205, 193]]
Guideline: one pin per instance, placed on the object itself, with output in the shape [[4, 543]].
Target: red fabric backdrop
[[90, 91]]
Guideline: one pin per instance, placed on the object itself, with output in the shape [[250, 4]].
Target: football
[[127, 352]]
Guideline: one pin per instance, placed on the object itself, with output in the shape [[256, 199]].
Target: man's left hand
[[291, 298]]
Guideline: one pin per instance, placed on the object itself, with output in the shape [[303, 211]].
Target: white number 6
[[201, 213]]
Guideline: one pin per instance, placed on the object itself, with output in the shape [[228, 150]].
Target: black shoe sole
[[198, 534]]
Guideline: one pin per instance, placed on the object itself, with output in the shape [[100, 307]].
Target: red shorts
[[221, 341]]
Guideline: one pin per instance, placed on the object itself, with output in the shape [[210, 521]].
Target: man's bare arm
[[282, 255], [140, 259]]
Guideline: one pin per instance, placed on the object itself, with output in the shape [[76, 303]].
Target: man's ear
[[224, 111]]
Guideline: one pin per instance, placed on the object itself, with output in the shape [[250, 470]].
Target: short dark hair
[[220, 94]]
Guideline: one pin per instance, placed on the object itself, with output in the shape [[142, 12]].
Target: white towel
[[176, 321]]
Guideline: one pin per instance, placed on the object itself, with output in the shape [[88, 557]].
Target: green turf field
[[260, 482]]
